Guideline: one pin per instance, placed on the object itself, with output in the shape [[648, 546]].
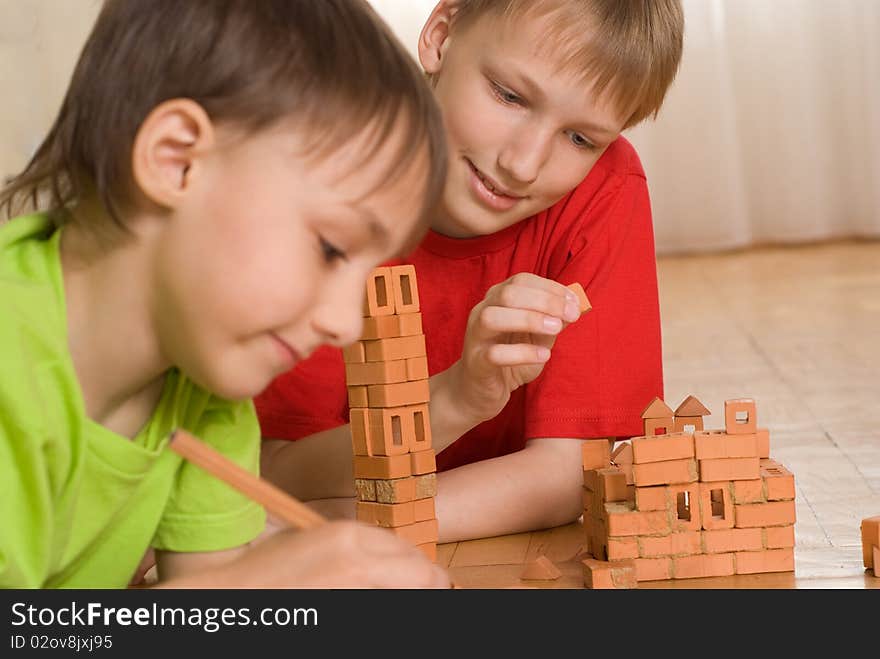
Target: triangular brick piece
[[691, 406], [657, 410], [623, 454], [542, 568]]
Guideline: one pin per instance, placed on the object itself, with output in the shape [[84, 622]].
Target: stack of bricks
[[687, 503], [386, 373], [871, 544]]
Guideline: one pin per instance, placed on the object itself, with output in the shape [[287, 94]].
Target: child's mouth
[[488, 192]]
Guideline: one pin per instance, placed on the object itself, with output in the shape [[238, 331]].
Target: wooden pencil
[[276, 502]]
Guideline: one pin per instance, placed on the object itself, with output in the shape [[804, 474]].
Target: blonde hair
[[629, 48]]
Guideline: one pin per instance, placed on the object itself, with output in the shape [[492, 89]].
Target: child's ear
[[434, 38], [167, 148]]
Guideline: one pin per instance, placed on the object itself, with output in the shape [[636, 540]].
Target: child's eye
[[507, 96], [580, 141], [331, 252]]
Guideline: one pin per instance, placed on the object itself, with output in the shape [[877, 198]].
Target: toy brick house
[[682, 502]]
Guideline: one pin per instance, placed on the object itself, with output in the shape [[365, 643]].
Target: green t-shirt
[[79, 504]]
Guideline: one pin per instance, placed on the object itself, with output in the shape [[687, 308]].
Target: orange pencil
[[276, 502]]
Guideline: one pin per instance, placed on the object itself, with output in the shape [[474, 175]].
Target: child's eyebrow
[[537, 92], [378, 232]]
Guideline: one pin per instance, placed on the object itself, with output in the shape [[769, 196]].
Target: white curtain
[[770, 133]]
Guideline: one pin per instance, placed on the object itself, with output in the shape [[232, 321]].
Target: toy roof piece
[[540, 569], [657, 410], [691, 406]]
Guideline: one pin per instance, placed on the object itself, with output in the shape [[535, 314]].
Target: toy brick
[[609, 575], [406, 292], [365, 488], [772, 513], [770, 560], [621, 548], [426, 486], [386, 514], [685, 507], [624, 519], [382, 467], [421, 423], [540, 569], [395, 348], [875, 561], [703, 565], [719, 444], [423, 462], [612, 484], [651, 498], [777, 537], [354, 354], [669, 472], [748, 491], [359, 421], [419, 533], [380, 327], [653, 569], [398, 395], [424, 509], [657, 409], [730, 469], [429, 549], [379, 300], [623, 454], [416, 368], [736, 408], [674, 544], [375, 373], [691, 408], [778, 481], [716, 506], [723, 541], [390, 430], [596, 453], [398, 490], [583, 300], [627, 470], [409, 324], [870, 528], [661, 448], [762, 439], [688, 424], [357, 396]]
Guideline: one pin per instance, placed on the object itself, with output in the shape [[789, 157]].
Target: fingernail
[[543, 353], [552, 325], [572, 311], [571, 297]]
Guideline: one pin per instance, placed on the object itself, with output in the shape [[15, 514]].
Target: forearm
[[315, 467], [531, 489]]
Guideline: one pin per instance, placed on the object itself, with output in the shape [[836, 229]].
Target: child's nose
[[524, 155], [338, 316]]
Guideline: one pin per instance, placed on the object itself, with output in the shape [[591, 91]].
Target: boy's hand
[[508, 340], [334, 555]]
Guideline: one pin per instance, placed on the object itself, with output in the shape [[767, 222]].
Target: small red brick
[[596, 454], [870, 528], [653, 569], [716, 506], [777, 537], [670, 472], [732, 540], [703, 565], [662, 448], [685, 507], [621, 548], [652, 498], [748, 491], [731, 424], [778, 481], [674, 544], [770, 560], [772, 513], [623, 519], [713, 444], [762, 438], [730, 469]]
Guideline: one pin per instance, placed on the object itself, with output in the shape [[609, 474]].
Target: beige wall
[[39, 43]]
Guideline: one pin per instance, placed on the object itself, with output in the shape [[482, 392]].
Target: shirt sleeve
[[606, 367], [204, 513]]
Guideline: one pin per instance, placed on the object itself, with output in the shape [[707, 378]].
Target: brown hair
[[333, 66], [632, 48]]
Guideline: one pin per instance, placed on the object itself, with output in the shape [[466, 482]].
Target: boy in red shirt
[[542, 191]]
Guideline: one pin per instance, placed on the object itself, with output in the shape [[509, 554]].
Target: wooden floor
[[798, 330]]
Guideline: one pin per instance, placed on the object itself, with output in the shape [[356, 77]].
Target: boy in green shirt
[[198, 156]]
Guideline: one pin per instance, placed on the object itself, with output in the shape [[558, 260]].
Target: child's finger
[[503, 319], [517, 354], [535, 298]]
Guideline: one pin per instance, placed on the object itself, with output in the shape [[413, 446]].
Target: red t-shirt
[[604, 369]]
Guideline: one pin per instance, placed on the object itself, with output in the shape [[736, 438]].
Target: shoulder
[[621, 158]]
